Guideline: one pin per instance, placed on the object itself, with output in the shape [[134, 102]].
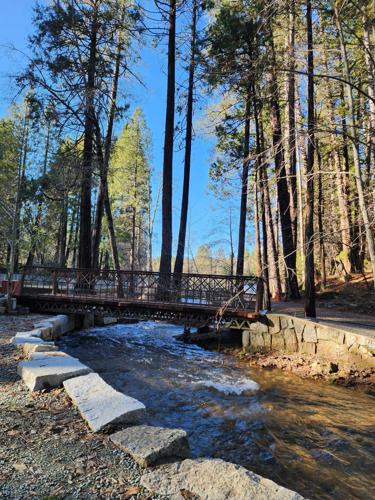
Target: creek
[[311, 437]]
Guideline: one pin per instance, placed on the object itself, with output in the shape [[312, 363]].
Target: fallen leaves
[[20, 467], [129, 492]]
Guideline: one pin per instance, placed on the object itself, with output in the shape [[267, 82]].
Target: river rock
[[100, 405], [149, 445], [213, 479], [50, 371]]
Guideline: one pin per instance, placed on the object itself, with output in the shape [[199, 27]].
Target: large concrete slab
[[213, 479], [101, 405], [149, 445], [47, 372]]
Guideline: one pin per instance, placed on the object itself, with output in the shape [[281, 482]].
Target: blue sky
[[207, 217]]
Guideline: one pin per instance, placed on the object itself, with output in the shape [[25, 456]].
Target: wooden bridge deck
[[142, 294]]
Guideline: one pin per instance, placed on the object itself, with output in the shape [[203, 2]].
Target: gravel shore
[[46, 450]]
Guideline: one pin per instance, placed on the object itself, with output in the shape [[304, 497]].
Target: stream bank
[[46, 451]]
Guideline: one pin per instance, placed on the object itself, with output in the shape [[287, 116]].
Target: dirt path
[[46, 450]]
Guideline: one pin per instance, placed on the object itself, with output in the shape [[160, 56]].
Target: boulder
[[100, 405], [212, 479], [47, 371], [149, 445]]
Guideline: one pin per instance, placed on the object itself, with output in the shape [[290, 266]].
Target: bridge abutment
[[279, 333]]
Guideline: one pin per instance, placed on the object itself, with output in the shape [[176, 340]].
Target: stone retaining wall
[[283, 333]]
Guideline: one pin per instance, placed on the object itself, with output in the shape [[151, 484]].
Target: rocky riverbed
[[307, 366], [46, 450]]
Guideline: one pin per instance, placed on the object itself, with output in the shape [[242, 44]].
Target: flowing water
[[314, 438]]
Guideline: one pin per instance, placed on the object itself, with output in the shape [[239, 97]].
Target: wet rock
[[47, 372], [148, 445], [100, 405], [212, 479]]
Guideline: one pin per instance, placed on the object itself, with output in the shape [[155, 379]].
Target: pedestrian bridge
[[184, 297]]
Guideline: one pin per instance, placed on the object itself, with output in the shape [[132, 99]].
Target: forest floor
[[46, 450]]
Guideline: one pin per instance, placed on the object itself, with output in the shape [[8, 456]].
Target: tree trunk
[[166, 246], [107, 149], [244, 190], [179, 262], [113, 243], [63, 231], [14, 244], [341, 182], [355, 146], [310, 309], [322, 251], [291, 87], [289, 248], [84, 255], [270, 260]]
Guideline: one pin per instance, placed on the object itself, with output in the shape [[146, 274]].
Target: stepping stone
[[50, 371], [32, 333], [29, 349], [101, 405], [26, 340], [49, 354], [46, 328], [212, 479], [149, 445]]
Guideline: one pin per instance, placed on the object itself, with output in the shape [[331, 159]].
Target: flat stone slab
[[49, 355], [46, 328], [50, 371], [26, 340], [101, 405], [29, 349], [32, 333], [149, 445], [213, 479]]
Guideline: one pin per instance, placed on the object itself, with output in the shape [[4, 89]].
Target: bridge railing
[[242, 292]]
